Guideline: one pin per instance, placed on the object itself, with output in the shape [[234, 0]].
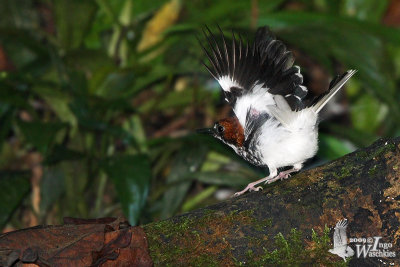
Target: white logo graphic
[[340, 246], [372, 247]]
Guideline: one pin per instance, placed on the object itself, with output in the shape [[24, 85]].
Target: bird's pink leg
[[273, 177], [251, 186], [284, 174]]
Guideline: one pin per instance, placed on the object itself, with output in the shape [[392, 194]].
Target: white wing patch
[[227, 82], [292, 120], [282, 111], [258, 100]]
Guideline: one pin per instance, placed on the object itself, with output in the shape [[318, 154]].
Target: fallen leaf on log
[[79, 242]]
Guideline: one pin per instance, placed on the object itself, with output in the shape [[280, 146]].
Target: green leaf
[[52, 186], [15, 97], [131, 175], [144, 7], [86, 115], [95, 64], [222, 11], [134, 127], [73, 20], [370, 10], [367, 113], [40, 135], [24, 52], [59, 102], [200, 197], [214, 161], [14, 186], [331, 147], [116, 84], [174, 99], [6, 117], [358, 137], [266, 7], [327, 6], [18, 14], [62, 153], [76, 179], [224, 178], [185, 164]]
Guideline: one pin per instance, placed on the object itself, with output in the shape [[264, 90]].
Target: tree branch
[[291, 222]]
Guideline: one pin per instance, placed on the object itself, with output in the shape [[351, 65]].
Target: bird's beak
[[205, 131]]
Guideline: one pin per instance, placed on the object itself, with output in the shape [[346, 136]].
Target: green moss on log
[[274, 227]]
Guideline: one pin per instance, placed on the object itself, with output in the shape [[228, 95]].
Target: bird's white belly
[[284, 148]]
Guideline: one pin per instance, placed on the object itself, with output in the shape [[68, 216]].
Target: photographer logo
[[372, 247]]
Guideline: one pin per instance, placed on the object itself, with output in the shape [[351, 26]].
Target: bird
[[340, 246], [275, 121]]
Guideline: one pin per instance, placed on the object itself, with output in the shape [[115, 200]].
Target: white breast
[[281, 146]]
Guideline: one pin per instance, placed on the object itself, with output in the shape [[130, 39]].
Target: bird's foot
[[280, 176], [284, 175], [272, 179], [250, 187]]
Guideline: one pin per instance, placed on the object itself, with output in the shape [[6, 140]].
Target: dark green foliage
[[111, 103], [131, 176], [14, 187]]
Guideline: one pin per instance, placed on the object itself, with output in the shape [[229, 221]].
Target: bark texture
[[291, 222]]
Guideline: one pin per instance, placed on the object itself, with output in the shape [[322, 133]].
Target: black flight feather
[[265, 62], [332, 84]]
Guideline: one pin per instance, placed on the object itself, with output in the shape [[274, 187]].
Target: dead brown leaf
[[80, 242]]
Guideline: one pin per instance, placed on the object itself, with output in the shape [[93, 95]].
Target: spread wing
[[261, 68], [260, 76]]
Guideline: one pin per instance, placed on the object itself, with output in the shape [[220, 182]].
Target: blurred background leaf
[[131, 176], [17, 185], [109, 93], [73, 18]]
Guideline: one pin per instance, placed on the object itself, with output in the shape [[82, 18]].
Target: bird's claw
[[248, 188], [258, 188]]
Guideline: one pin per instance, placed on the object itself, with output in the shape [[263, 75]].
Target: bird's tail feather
[[336, 85]]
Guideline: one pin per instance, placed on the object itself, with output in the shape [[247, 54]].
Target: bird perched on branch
[[275, 124]]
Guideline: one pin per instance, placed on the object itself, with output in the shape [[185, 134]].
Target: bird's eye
[[220, 129]]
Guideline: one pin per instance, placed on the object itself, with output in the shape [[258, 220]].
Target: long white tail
[[322, 102]]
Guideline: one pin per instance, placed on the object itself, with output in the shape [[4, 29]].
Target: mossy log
[[291, 222]]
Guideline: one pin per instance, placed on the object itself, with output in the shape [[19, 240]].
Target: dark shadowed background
[[99, 100]]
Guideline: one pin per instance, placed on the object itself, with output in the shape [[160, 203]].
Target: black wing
[[239, 67]]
